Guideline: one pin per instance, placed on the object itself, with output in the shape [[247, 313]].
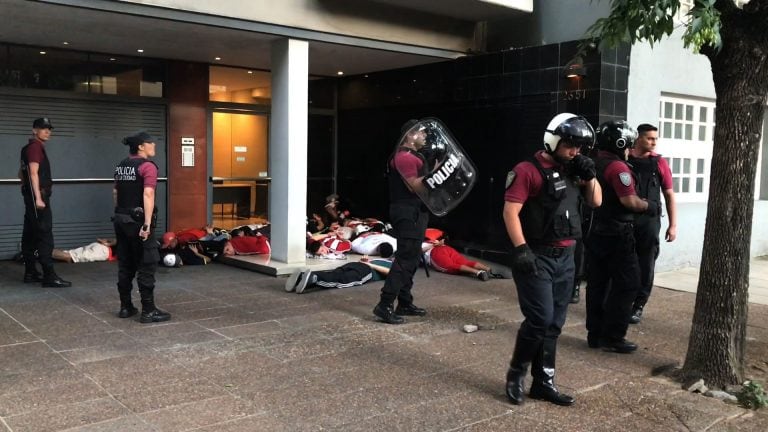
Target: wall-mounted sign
[[187, 141], [187, 155], [241, 149]]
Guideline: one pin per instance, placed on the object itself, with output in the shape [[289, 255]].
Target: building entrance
[[240, 172]]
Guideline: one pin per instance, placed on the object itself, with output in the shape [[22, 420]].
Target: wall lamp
[[575, 68]]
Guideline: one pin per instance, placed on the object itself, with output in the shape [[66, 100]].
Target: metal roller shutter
[[84, 149]]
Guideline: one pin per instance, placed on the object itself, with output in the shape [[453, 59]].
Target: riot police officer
[[541, 214], [409, 218], [36, 187], [135, 220], [614, 276], [654, 178]]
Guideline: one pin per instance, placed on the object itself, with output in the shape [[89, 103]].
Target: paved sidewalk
[[241, 354], [687, 279]]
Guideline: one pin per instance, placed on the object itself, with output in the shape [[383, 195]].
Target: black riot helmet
[[572, 128], [616, 136]]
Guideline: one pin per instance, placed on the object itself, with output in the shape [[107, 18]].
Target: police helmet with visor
[[573, 129], [615, 136]]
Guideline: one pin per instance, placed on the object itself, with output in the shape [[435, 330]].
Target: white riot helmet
[[569, 127], [172, 260]]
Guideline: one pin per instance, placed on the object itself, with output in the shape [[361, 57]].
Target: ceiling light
[[575, 68], [217, 58], [65, 43], [250, 72], [111, 59], [42, 52], [140, 50], [340, 73]]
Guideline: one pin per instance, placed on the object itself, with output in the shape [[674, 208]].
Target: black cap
[[408, 125], [42, 123], [138, 139]]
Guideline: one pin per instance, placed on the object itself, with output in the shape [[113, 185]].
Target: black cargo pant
[[647, 246], [409, 221], [612, 282], [544, 296], [37, 234], [135, 258], [348, 275]]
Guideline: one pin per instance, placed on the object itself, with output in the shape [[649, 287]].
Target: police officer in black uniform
[[135, 218], [541, 214], [614, 277], [36, 187], [409, 218]]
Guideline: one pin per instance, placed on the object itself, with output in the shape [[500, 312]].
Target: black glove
[[523, 260], [584, 167], [654, 209]]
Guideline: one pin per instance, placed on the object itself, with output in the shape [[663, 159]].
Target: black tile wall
[[496, 105]]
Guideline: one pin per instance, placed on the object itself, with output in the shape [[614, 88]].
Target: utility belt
[[552, 251], [612, 227], [136, 213]]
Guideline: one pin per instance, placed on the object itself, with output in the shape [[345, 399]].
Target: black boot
[[543, 372], [52, 280], [149, 312], [31, 274], [576, 295], [518, 368], [127, 309], [386, 313]]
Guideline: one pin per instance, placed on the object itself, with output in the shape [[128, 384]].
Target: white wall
[[669, 68]]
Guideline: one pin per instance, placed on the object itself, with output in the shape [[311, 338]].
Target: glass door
[[240, 173]]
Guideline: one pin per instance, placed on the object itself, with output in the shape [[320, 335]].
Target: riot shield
[[447, 175]]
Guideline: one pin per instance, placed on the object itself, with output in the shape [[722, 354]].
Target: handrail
[[76, 180], [256, 179]]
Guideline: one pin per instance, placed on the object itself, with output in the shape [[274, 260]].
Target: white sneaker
[[293, 280], [304, 281]]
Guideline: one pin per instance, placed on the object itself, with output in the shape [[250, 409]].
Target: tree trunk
[[716, 347]]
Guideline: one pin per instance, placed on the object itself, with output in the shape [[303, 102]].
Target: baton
[[424, 262], [31, 189]]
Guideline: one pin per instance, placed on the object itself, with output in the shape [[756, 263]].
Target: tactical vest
[[398, 190], [612, 209], [553, 214], [43, 172], [647, 176], [129, 183]]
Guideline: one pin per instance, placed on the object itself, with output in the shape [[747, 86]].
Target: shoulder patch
[[625, 178], [510, 179]]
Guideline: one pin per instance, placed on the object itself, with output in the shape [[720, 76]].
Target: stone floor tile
[[70, 415]]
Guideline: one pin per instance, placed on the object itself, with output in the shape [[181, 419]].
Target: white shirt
[[368, 243]]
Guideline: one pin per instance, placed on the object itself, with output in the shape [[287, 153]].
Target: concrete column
[[288, 149]]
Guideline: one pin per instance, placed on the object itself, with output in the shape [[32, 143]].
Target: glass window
[[125, 76], [678, 111], [686, 184], [676, 165], [699, 166], [689, 112], [227, 84], [678, 131], [688, 132], [667, 130], [668, 110], [702, 114], [676, 184], [699, 185], [686, 166], [702, 133], [43, 68]]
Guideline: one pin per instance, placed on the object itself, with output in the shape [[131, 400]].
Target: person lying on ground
[[446, 259], [349, 275], [100, 250], [374, 243]]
